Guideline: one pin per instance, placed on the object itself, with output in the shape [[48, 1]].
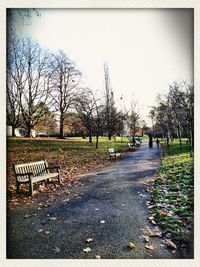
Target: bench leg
[[31, 187], [59, 177], [17, 187]]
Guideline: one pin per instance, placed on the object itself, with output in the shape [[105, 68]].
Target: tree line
[[43, 86], [173, 116]]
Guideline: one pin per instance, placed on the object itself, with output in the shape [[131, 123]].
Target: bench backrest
[[111, 150], [37, 168]]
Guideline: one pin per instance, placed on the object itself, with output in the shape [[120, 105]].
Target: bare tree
[[98, 120], [175, 98], [27, 74], [74, 125], [64, 80], [47, 123], [22, 15], [188, 105], [133, 118], [163, 118], [144, 127], [85, 107], [14, 81], [13, 107], [183, 96], [92, 113], [174, 114], [111, 114]]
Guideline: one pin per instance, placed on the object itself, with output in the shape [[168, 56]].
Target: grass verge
[[173, 194]]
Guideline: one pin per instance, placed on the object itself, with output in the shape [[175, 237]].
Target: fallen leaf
[[102, 221], [40, 230], [56, 250], [150, 246], [89, 240], [154, 234], [96, 209], [170, 244], [146, 238], [52, 218], [27, 215], [131, 245], [98, 257], [150, 207], [163, 213], [87, 249], [47, 232]]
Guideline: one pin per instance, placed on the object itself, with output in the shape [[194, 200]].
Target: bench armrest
[[53, 167]]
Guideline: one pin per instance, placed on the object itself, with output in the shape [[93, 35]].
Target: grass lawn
[[74, 155], [173, 193]]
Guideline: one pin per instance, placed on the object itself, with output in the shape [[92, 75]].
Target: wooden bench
[[113, 154], [34, 172]]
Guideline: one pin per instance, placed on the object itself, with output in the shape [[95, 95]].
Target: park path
[[107, 207]]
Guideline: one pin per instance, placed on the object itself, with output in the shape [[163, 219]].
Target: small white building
[[19, 132]]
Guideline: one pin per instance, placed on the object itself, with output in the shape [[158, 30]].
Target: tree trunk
[[13, 131], [168, 137], [97, 140], [179, 135], [90, 137], [29, 131], [61, 135]]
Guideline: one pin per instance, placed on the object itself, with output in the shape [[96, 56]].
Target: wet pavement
[[102, 214]]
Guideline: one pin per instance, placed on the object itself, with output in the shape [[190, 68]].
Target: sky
[[145, 49]]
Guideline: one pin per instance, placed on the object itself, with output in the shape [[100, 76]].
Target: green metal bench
[[34, 172]]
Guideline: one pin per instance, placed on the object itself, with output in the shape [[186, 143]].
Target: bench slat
[[30, 163], [36, 179]]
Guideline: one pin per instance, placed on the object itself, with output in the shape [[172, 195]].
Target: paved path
[[108, 206]]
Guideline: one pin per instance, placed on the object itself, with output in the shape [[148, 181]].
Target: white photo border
[[93, 4]]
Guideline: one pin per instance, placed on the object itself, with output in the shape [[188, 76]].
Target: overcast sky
[[146, 49]]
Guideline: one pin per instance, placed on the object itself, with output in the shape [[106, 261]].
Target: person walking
[[157, 142], [150, 142]]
